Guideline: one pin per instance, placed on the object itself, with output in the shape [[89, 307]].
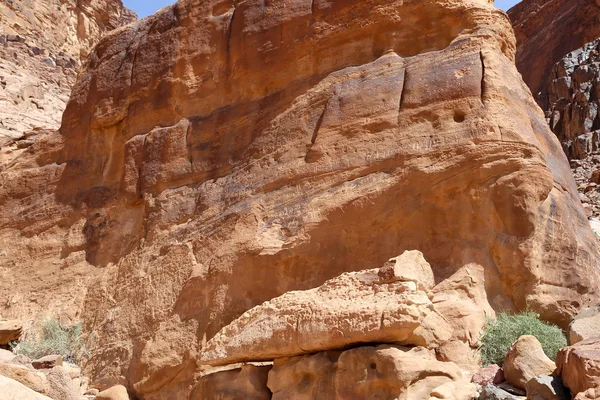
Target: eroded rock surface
[[42, 45], [546, 30], [371, 306], [525, 360], [385, 372], [579, 368], [218, 155]]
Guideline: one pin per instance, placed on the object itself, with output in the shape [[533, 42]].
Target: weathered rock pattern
[[579, 368], [525, 360], [49, 361], [73, 26], [247, 382], [385, 372], [546, 30], [572, 100], [42, 44], [220, 154], [491, 374], [491, 392], [391, 310], [585, 325]]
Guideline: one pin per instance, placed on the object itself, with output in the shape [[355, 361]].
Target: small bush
[[53, 338], [500, 333]]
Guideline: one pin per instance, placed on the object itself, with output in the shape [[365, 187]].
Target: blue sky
[[505, 4], [143, 8]]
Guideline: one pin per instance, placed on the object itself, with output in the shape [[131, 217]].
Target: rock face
[[73, 26], [9, 331], [585, 325], [525, 360], [571, 101], [42, 43], [219, 155], [391, 310], [385, 372], [579, 368], [247, 382], [546, 30], [545, 387]]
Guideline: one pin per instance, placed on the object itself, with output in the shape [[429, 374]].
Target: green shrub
[[500, 333], [53, 338]]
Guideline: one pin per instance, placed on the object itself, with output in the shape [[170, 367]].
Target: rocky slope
[[223, 165], [562, 71], [546, 30], [42, 44]]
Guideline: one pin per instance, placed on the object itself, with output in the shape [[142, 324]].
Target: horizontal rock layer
[[219, 154]]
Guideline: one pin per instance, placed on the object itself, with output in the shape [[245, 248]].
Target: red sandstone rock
[[218, 155], [490, 374], [579, 368]]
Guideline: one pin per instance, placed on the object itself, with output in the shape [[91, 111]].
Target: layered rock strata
[[219, 155], [42, 44]]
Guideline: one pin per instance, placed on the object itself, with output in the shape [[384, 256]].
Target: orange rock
[[578, 366], [218, 155], [248, 382], [118, 392], [356, 307], [525, 360], [380, 372], [10, 331]]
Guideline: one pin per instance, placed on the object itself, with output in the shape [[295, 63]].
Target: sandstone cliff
[[546, 30], [42, 44], [219, 155]]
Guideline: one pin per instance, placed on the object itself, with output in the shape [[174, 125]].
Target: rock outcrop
[[585, 325], [10, 331], [572, 100], [525, 360], [219, 155], [390, 310], [385, 372], [42, 44], [546, 30], [579, 368], [71, 26]]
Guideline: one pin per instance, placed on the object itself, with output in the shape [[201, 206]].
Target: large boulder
[[118, 392], [585, 325], [525, 360], [30, 378], [544, 387], [60, 385], [386, 372], [579, 367], [392, 309], [9, 331], [248, 382], [220, 154], [13, 390]]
